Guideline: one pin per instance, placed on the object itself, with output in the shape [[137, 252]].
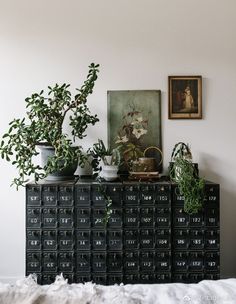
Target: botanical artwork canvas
[[134, 122]]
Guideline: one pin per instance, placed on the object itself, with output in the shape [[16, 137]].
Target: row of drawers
[[127, 217], [121, 195], [114, 278], [123, 262], [118, 240]]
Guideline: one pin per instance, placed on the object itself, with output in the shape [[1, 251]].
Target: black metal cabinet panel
[[148, 237]]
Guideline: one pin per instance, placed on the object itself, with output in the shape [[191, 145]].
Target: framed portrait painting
[[185, 97]]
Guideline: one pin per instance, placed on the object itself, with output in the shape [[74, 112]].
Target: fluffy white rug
[[27, 291]]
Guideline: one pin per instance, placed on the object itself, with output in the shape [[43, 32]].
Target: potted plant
[[185, 174], [105, 161], [43, 128]]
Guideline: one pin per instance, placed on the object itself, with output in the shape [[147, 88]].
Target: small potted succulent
[[43, 128], [105, 161], [184, 172]]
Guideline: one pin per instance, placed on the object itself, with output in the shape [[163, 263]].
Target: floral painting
[[134, 122]]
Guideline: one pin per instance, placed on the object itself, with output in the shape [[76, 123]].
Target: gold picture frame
[[185, 97]]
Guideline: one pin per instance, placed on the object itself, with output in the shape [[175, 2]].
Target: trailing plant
[[43, 126], [183, 172], [181, 150], [108, 200]]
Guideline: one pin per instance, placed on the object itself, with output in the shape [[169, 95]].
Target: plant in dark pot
[[184, 172], [42, 128]]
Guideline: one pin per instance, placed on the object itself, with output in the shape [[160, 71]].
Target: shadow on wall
[[227, 211]]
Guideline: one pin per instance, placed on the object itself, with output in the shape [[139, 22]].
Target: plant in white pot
[[43, 127], [105, 162]]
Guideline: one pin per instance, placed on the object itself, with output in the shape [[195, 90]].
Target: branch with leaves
[[43, 125]]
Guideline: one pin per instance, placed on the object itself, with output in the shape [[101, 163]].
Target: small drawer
[[195, 277], [131, 217], [131, 278], [212, 194], [180, 218], [163, 261], [83, 277], [82, 196], [146, 217], [163, 217], [115, 219], [163, 238], [131, 239], [131, 262], [83, 218], [98, 198], [99, 218], [100, 279], [147, 195], [33, 196], [147, 238], [66, 196], [212, 239], [196, 261], [196, 239], [66, 217], [131, 195], [49, 261], [181, 239], [33, 262], [83, 240], [162, 194], [83, 262], [212, 217], [49, 278], [49, 240], [66, 240], [161, 278], [49, 195], [99, 240], [115, 240], [114, 278], [212, 261], [33, 240], [115, 262], [49, 218], [65, 262], [99, 262], [33, 218], [196, 220], [147, 278], [180, 261], [180, 278], [146, 262], [114, 191]]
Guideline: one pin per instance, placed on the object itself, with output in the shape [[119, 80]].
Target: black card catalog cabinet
[[148, 237]]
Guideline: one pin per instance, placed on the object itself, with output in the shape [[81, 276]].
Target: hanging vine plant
[[190, 185]]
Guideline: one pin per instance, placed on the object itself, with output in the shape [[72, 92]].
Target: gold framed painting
[[185, 97]]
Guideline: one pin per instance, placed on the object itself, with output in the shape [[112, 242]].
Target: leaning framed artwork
[[185, 97], [134, 122]]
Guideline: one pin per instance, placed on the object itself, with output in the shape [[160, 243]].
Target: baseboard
[[10, 280]]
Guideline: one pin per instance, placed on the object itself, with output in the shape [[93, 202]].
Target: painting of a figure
[[185, 97]]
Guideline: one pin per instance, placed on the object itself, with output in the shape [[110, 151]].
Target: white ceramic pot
[[109, 173]]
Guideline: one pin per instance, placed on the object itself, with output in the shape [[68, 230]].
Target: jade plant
[[43, 125], [190, 185]]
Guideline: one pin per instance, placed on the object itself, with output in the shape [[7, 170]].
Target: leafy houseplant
[[191, 186], [110, 159], [43, 127]]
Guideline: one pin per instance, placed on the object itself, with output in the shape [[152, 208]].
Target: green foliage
[[190, 185], [43, 125], [99, 151]]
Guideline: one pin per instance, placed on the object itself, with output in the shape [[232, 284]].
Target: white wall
[[138, 43]]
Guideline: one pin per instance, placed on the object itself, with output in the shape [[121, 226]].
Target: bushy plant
[[43, 126]]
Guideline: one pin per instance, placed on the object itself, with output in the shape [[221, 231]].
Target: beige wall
[[138, 44]]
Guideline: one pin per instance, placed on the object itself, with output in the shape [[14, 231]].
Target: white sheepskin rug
[[26, 291]]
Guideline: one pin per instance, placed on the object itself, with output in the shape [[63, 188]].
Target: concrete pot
[[65, 174]]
